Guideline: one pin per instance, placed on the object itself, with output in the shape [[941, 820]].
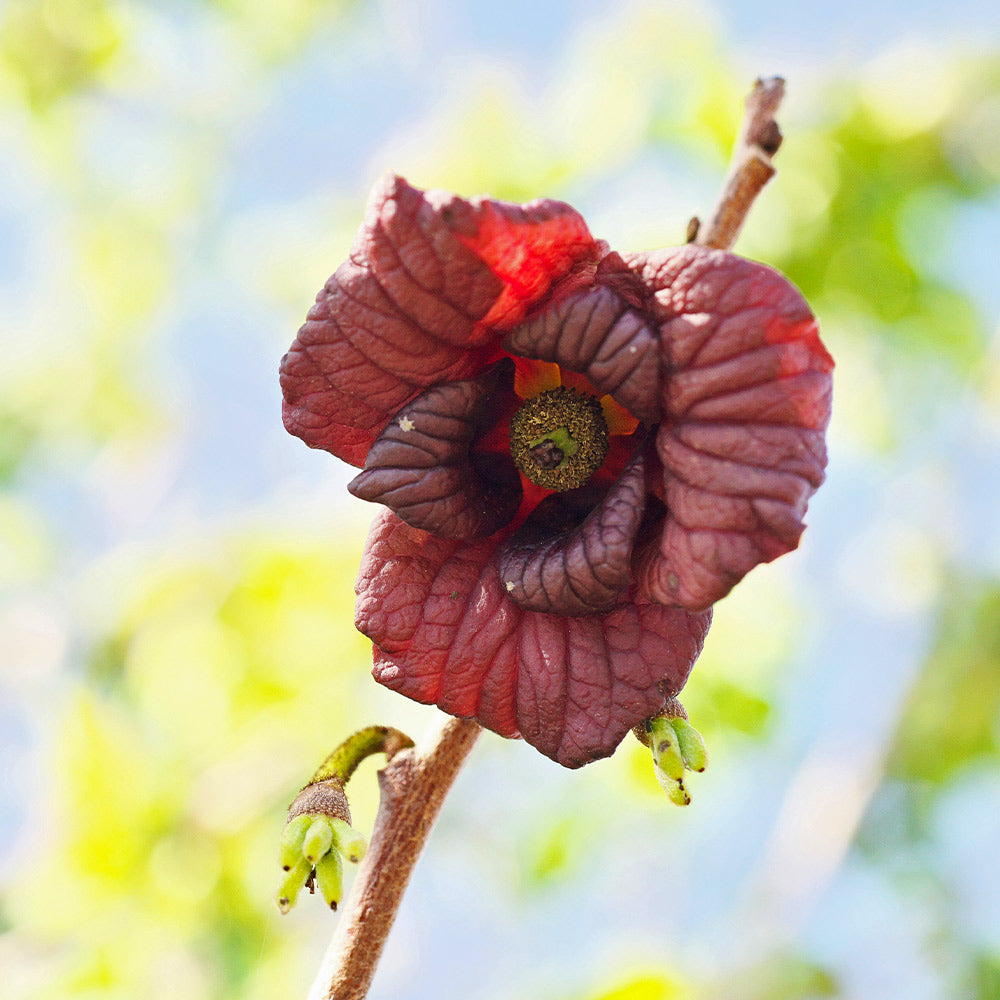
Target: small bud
[[691, 744], [318, 839], [318, 829], [666, 748], [674, 788], [291, 841], [348, 841], [292, 883], [330, 878], [676, 746]]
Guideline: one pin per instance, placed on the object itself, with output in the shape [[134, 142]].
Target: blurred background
[[177, 180]]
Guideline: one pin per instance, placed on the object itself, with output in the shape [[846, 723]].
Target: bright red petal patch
[[445, 633], [431, 281]]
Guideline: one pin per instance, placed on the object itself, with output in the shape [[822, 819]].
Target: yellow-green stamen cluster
[[559, 439]]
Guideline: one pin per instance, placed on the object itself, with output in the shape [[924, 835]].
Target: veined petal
[[430, 282], [582, 569], [446, 633], [595, 332], [746, 399], [421, 467]]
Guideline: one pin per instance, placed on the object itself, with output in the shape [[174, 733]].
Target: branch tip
[[750, 168]]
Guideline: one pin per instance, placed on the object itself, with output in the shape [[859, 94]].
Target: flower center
[[559, 439]]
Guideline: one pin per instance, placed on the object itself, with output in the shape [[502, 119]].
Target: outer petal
[[583, 569], [746, 400], [430, 280], [446, 633], [596, 333], [420, 466]]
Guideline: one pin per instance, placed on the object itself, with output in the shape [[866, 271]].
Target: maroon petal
[[418, 302], [595, 333], [585, 682], [746, 400], [446, 633], [421, 467], [583, 570]]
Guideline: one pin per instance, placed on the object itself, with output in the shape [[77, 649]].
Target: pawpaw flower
[[578, 452]]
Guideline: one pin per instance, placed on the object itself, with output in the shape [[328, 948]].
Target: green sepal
[[330, 878], [348, 841], [291, 884]]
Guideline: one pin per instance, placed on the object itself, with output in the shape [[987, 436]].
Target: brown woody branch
[[750, 168], [413, 786]]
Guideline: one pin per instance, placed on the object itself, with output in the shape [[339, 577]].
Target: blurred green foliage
[[56, 47], [886, 188], [223, 680], [986, 978], [647, 987], [950, 717]]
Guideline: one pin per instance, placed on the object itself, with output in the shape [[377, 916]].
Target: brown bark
[[750, 168], [413, 786]]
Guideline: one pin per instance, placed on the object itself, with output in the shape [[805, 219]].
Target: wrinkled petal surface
[[446, 633], [586, 568], [421, 467], [746, 400], [431, 283], [595, 333]]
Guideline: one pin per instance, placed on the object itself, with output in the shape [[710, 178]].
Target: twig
[[750, 168], [413, 786]]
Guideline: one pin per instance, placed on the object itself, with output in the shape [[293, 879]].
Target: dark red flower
[[666, 411]]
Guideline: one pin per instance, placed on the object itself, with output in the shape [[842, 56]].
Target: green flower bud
[[330, 878], [674, 788], [318, 839], [291, 841], [666, 748], [691, 743], [348, 841], [291, 884]]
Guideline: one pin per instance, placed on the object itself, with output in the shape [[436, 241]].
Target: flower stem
[[750, 168], [413, 786]]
